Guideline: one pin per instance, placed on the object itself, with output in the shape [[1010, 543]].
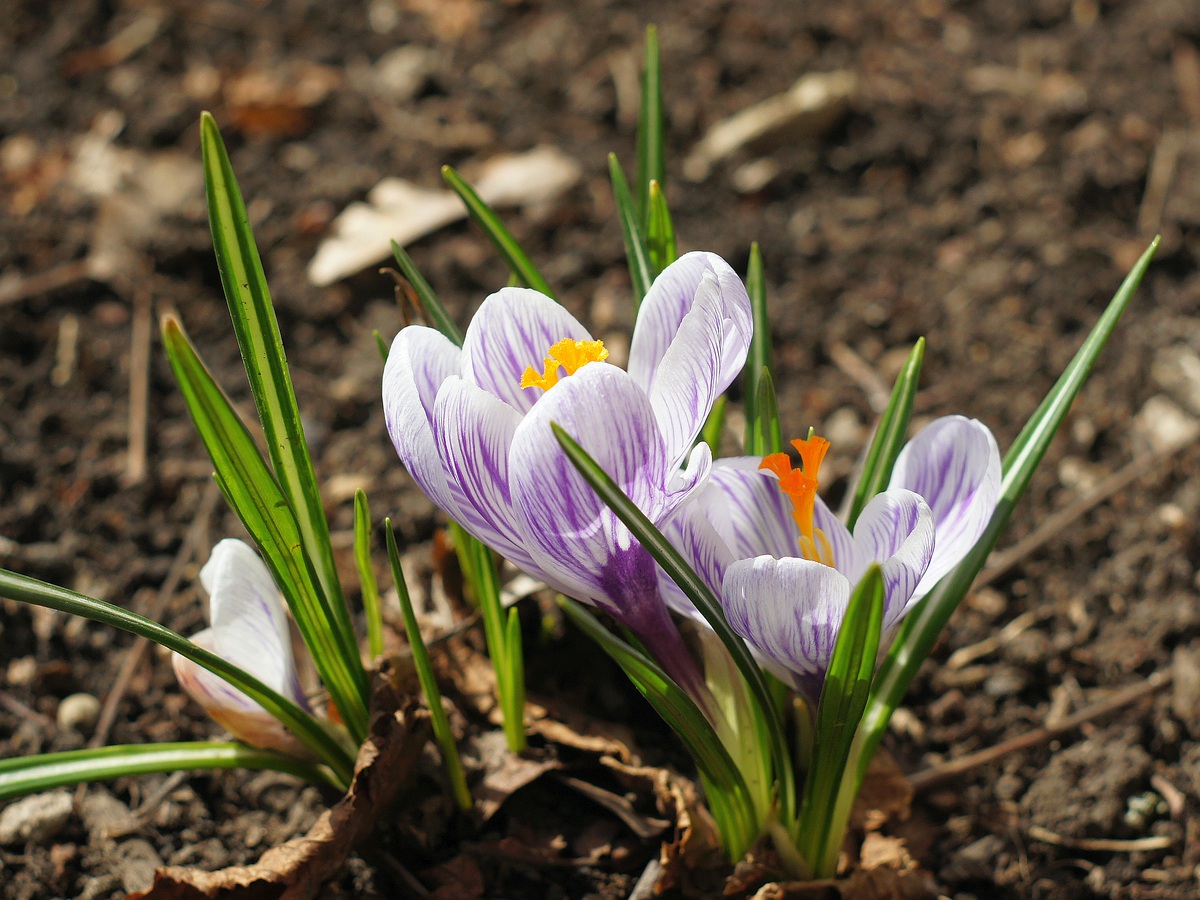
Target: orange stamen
[[567, 354], [801, 485]]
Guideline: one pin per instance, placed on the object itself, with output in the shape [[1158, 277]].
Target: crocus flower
[[250, 629], [472, 426], [784, 566]]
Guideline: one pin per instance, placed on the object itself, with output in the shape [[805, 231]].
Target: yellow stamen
[[567, 354], [800, 485]]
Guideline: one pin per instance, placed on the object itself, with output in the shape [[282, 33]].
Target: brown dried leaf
[[297, 869], [886, 795]]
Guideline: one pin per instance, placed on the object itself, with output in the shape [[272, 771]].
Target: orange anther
[[567, 354]]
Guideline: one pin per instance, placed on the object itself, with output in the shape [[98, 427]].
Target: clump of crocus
[[249, 627], [472, 425]]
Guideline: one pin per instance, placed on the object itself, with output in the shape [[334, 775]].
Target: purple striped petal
[[249, 629], [512, 331], [567, 528], [690, 530], [896, 531], [748, 509], [954, 464], [419, 361], [473, 431], [789, 611], [667, 304]]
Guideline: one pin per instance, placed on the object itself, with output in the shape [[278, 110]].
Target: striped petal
[[896, 531], [954, 463], [512, 331]]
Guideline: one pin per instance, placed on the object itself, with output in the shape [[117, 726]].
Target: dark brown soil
[[1000, 168]]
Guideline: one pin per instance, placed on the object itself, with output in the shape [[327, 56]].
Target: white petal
[[747, 508], [690, 530], [896, 531], [568, 529], [668, 302], [790, 611], [474, 431], [420, 360], [513, 330], [954, 464]]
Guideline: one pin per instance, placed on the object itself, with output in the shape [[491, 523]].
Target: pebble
[[104, 816], [139, 860], [78, 713], [37, 818]]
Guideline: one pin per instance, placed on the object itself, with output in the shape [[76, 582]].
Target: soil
[[1000, 167]]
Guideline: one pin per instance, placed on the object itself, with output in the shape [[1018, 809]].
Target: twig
[[863, 373], [14, 290], [1158, 181], [939, 775], [1104, 845], [965, 655], [139, 386], [133, 656], [1055, 524]]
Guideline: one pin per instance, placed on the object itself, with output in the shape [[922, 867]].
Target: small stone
[[104, 816], [139, 861], [78, 713], [37, 818]]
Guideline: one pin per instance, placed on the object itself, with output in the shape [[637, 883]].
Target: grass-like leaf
[[660, 232], [651, 146], [518, 260], [765, 436], [441, 319], [920, 630], [698, 592], [685, 718], [714, 425], [31, 774], [372, 606], [259, 502], [636, 255], [759, 356], [889, 436], [308, 729], [433, 694], [843, 699], [258, 337]]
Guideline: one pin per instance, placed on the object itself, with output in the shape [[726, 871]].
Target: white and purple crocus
[[472, 426], [784, 565], [249, 628]]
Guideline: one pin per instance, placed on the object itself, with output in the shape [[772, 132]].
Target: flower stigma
[[800, 485], [567, 354]]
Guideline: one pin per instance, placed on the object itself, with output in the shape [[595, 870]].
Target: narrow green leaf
[[24, 589], [714, 425], [685, 718], [441, 319], [258, 337], [889, 435], [651, 147], [256, 497], [30, 774], [660, 232], [766, 435], [636, 254], [843, 698], [758, 357], [380, 345], [433, 694], [514, 677], [698, 592], [920, 630], [372, 605], [518, 260]]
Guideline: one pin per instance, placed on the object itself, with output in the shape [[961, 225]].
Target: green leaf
[[843, 699], [24, 589], [698, 592], [636, 254], [30, 774], [266, 368], [685, 718], [520, 263], [765, 436], [256, 497], [714, 425], [920, 630], [433, 307], [660, 232], [433, 694], [758, 357], [372, 606], [651, 148], [889, 435], [380, 345]]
